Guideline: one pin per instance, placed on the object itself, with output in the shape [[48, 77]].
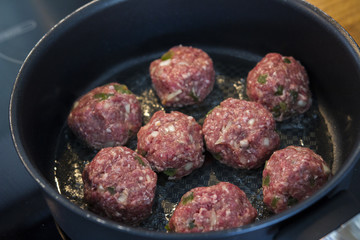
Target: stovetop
[[23, 212]]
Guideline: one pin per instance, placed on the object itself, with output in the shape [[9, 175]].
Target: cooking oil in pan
[[307, 130]]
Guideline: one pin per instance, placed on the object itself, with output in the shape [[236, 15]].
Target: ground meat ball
[[183, 76], [172, 143], [107, 116], [213, 208], [119, 184], [240, 134], [281, 84], [292, 175]]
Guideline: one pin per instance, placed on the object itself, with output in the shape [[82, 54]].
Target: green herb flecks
[[192, 224], [278, 109], [170, 172], [279, 90], [121, 88], [111, 190], [211, 111], [188, 198], [167, 227], [274, 202], [286, 60], [294, 95], [292, 201], [141, 152], [266, 181], [217, 156], [262, 78], [103, 96], [194, 96], [138, 158], [167, 55], [283, 106]]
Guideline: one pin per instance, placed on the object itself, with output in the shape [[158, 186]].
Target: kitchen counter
[[345, 12]]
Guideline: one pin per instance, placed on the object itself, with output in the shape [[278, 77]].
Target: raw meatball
[[172, 143], [107, 116], [292, 175], [119, 184], [213, 208], [183, 76], [240, 134], [281, 84]]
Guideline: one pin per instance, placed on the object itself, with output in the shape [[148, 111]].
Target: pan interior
[[308, 130]]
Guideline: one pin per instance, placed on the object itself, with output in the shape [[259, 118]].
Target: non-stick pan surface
[[116, 40], [308, 130]]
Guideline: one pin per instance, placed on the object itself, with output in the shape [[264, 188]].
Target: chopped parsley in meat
[[262, 78], [294, 95], [121, 88], [141, 152], [166, 56], [278, 109], [170, 172], [140, 160], [182, 76], [167, 227], [192, 224], [283, 106], [211, 111], [279, 90], [103, 96], [217, 207], [266, 181], [278, 78], [188, 198], [286, 60], [292, 201], [111, 190], [217, 156], [274, 202], [193, 96]]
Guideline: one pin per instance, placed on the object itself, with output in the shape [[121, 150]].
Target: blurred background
[[23, 212]]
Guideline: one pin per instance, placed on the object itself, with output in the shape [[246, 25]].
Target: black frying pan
[[116, 41]]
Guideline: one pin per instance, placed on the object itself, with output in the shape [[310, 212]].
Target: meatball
[[119, 184], [106, 116], [292, 175], [281, 84], [213, 208], [183, 76], [240, 134], [172, 143]]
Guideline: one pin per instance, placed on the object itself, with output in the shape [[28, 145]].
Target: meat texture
[[281, 84], [183, 76], [213, 208], [119, 184], [240, 134], [292, 175], [172, 143], [106, 116]]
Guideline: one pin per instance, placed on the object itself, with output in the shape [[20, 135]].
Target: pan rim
[[91, 8]]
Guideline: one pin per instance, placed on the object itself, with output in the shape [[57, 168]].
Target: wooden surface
[[345, 12]]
